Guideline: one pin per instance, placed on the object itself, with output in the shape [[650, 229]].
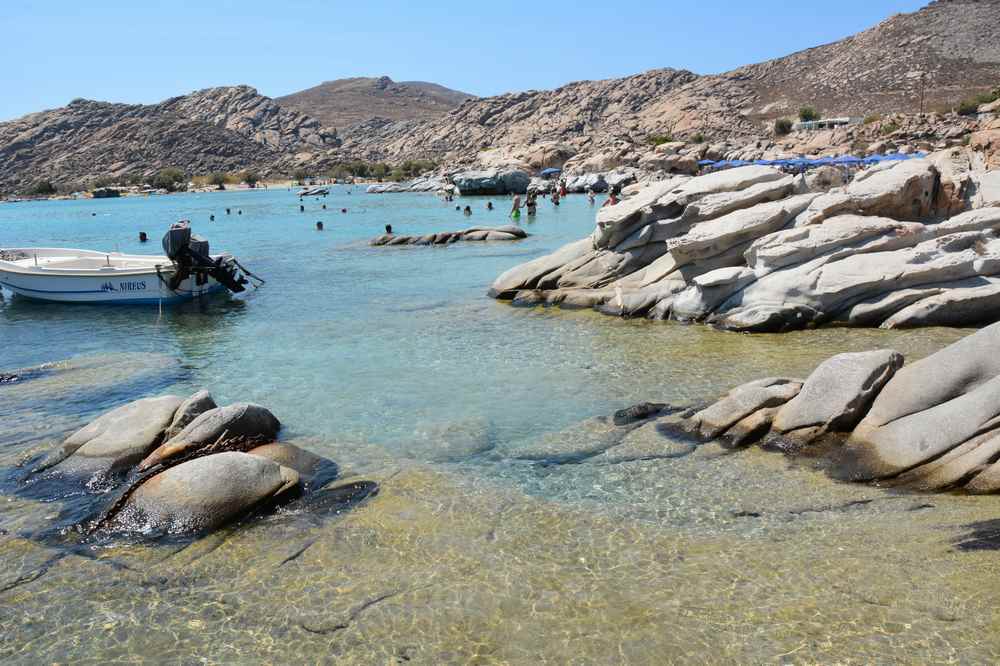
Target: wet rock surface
[[220, 465]]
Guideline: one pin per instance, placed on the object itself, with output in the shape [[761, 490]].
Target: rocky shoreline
[[909, 243]]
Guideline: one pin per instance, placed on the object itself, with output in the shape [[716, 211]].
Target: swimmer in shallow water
[[515, 209]]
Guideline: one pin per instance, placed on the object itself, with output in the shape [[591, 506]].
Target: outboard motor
[[190, 255]]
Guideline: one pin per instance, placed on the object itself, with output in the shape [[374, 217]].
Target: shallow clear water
[[394, 363]]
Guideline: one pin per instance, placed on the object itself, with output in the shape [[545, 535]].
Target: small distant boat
[[186, 271], [314, 192]]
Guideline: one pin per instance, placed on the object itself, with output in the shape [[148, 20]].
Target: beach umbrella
[[551, 171], [847, 159], [706, 162]]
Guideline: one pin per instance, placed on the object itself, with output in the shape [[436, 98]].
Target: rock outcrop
[[753, 249], [931, 425], [492, 181], [503, 233], [216, 465]]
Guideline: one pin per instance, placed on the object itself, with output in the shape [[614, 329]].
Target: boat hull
[[82, 276], [136, 289]]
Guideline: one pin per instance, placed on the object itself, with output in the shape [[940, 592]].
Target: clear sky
[[148, 50]]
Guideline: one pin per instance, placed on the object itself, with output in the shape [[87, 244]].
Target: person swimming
[[388, 229], [489, 205], [590, 197], [468, 211]]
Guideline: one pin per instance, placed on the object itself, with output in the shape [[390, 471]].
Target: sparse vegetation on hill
[[808, 114]]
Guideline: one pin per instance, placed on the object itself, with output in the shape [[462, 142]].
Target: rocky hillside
[[949, 49], [345, 103], [577, 111], [218, 129]]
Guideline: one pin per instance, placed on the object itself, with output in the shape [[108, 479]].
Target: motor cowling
[[177, 239], [190, 255]]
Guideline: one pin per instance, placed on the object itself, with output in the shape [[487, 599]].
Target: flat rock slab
[[506, 232]]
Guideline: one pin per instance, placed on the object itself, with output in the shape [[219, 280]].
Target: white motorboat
[[186, 271]]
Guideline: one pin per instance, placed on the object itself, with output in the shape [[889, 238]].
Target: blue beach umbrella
[[706, 162], [847, 159], [551, 171]]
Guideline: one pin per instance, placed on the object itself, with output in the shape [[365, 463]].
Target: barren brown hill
[[347, 102], [948, 50], [217, 129]]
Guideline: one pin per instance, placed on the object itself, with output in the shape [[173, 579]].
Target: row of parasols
[[806, 163]]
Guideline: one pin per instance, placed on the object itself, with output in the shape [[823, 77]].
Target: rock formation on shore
[[907, 243], [185, 465], [929, 425], [506, 232]]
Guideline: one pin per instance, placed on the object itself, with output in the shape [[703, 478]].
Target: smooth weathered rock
[[528, 275], [669, 198], [838, 393], [204, 493], [188, 411], [309, 466], [743, 401], [955, 466], [242, 424], [930, 406], [904, 192], [751, 428], [117, 439]]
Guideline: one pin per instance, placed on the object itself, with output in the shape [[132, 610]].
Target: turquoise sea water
[[394, 363]]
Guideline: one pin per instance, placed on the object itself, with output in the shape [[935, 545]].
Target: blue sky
[[146, 51]]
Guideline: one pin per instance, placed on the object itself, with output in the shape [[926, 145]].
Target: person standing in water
[[555, 198], [532, 203], [562, 188], [515, 209], [612, 198], [590, 196], [467, 211], [489, 205]]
